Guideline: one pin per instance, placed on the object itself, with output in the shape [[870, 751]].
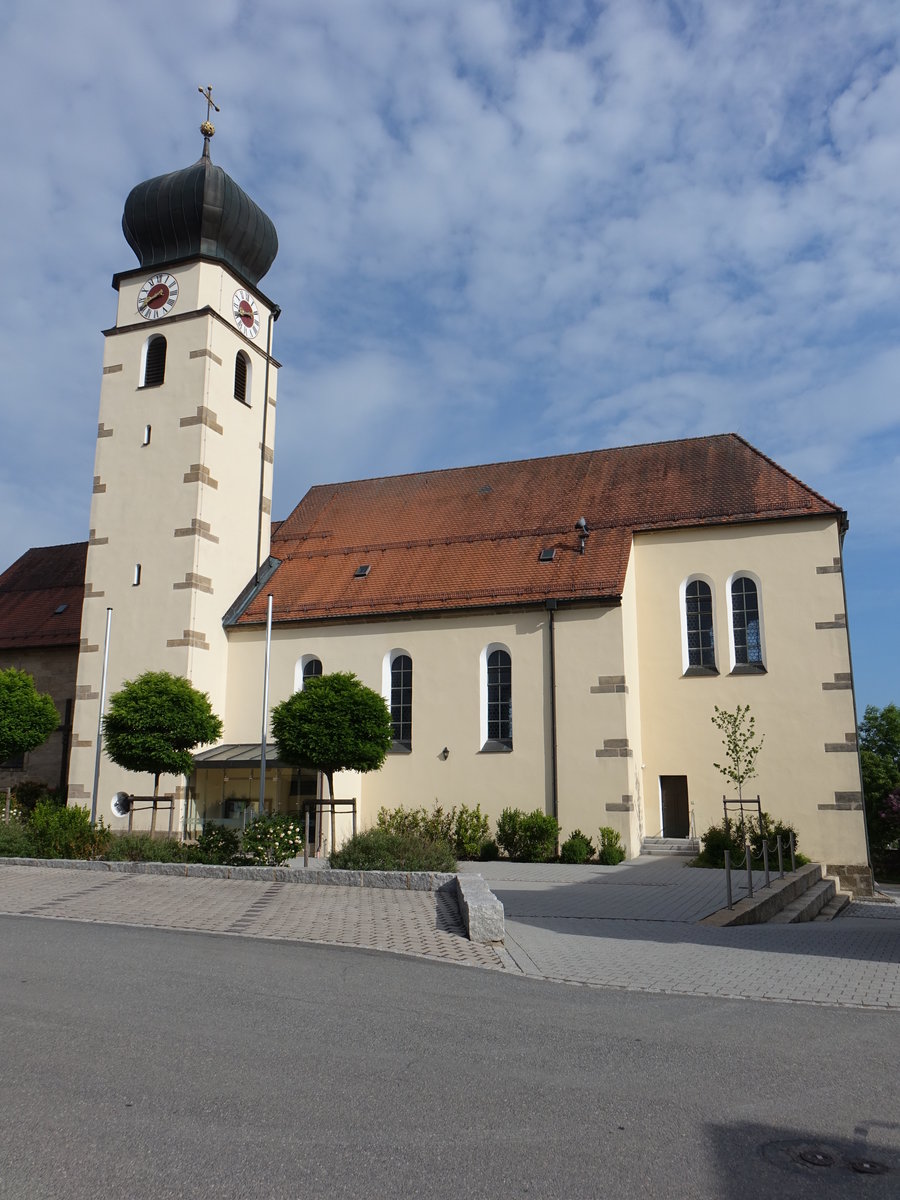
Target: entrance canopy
[[239, 754]]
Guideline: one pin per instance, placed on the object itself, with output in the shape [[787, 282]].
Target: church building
[[552, 633]]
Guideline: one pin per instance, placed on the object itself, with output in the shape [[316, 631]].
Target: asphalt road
[[150, 1063]]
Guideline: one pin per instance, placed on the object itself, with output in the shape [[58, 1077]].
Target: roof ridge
[[513, 462]]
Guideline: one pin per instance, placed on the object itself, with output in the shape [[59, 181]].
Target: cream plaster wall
[[802, 702], [447, 689], [184, 506]]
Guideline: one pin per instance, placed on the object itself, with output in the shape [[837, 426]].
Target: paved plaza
[[634, 927]]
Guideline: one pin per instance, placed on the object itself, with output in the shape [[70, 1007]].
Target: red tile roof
[[33, 588], [470, 537]]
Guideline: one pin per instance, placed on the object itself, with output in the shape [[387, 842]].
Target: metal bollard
[[780, 858], [766, 860], [728, 878], [749, 859], [791, 842], [306, 837]]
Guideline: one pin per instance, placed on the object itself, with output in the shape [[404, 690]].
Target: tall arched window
[[242, 377], [698, 616], [154, 372], [499, 698], [312, 668], [745, 624], [401, 700]]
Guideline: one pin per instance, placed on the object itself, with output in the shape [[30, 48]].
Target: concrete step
[[834, 907], [687, 847], [808, 905]]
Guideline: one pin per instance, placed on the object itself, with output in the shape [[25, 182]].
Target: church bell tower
[[181, 507]]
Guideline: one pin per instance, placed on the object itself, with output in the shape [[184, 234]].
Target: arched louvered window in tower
[[241, 377], [155, 362]]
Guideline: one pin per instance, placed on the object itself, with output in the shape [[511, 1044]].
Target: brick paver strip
[[409, 922]]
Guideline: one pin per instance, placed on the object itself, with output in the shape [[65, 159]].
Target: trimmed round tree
[[335, 724], [27, 716], [153, 724]]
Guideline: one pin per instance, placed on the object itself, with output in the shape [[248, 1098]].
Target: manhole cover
[[816, 1158], [805, 1157], [865, 1166]]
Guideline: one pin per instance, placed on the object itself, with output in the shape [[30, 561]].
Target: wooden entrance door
[[676, 816]]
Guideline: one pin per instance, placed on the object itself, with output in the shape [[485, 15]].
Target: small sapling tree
[[335, 724], [153, 724], [27, 716], [739, 738]]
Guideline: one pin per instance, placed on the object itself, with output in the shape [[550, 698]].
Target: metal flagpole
[[265, 708], [100, 719]]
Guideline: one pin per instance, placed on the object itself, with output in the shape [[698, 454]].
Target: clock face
[[245, 312], [157, 297]]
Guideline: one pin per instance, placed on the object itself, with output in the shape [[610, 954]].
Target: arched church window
[[242, 377], [312, 668], [401, 700], [154, 362], [497, 698], [698, 615]]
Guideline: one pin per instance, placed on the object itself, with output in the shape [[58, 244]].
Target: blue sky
[[506, 229]]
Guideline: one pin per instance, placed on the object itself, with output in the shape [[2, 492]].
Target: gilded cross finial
[[207, 128]]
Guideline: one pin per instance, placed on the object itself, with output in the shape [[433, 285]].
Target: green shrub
[[382, 849], [508, 831], [471, 829], [577, 848], [271, 841], [611, 851], [16, 841], [538, 836], [29, 792], [731, 835], [527, 837], [141, 847], [219, 846], [60, 832], [464, 828], [716, 840], [489, 851]]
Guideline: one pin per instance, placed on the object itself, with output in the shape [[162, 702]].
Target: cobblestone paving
[[423, 923], [635, 927], [646, 889]]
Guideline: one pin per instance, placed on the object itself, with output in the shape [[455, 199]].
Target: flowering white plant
[[271, 841]]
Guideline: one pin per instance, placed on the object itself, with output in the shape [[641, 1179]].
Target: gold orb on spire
[[207, 129]]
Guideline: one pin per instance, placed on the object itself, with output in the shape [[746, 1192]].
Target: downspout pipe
[[554, 764], [273, 317]]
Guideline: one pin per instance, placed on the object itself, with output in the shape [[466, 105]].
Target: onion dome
[[199, 212]]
